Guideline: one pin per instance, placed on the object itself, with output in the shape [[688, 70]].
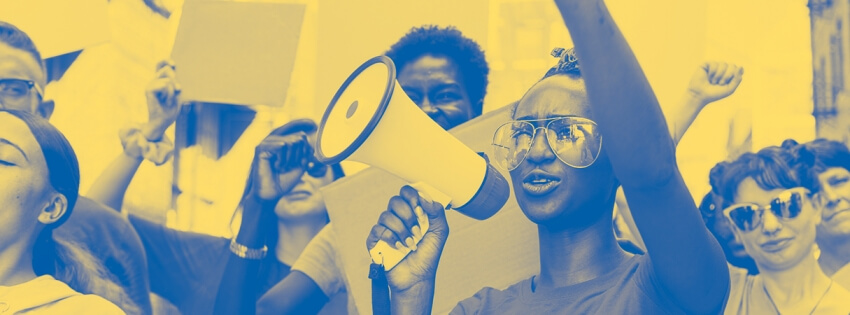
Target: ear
[[54, 210], [45, 108]]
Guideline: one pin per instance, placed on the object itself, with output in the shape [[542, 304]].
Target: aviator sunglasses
[[576, 141]]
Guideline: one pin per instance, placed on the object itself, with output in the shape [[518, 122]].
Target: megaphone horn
[[370, 120]]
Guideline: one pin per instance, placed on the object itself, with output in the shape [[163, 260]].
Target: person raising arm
[[565, 183]]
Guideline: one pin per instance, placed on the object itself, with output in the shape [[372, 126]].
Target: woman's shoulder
[[87, 304]]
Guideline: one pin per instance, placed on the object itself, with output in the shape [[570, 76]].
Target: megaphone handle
[[388, 256]]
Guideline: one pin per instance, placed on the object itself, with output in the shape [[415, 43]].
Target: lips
[[776, 245], [298, 195], [539, 183]]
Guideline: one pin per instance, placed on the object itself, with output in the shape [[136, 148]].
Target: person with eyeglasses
[[774, 216], [828, 164], [95, 228], [576, 136], [15, 92]]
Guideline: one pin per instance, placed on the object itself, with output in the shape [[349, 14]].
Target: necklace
[[813, 309]]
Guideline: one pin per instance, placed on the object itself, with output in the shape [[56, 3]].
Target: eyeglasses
[[576, 141], [749, 216], [18, 88]]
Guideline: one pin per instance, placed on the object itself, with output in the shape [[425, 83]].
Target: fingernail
[[410, 243], [398, 245], [417, 232], [418, 211]]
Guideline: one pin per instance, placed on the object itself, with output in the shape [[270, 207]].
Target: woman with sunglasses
[[774, 217], [281, 210], [565, 178]]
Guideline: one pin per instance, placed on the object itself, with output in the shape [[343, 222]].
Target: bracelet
[[248, 253], [136, 145]]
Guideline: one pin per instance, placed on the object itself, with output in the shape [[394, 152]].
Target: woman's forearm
[[240, 284], [418, 299], [683, 116], [112, 184]]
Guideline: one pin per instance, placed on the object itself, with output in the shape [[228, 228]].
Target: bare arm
[[163, 107], [279, 163], [686, 260], [710, 83]]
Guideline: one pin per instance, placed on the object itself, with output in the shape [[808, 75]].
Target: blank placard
[[237, 52]]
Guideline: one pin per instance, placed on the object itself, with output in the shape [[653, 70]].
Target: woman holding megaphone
[[570, 194]]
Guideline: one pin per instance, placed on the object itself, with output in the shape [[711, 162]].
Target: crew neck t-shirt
[[630, 288]]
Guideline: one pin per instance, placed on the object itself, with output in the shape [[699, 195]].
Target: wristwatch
[[248, 253]]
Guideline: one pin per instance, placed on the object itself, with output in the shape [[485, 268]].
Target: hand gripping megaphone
[[371, 120]]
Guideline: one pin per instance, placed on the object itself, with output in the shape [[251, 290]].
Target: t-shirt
[[109, 237], [628, 289], [321, 262], [748, 296], [46, 295], [186, 268]]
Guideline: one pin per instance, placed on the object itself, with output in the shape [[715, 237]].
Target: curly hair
[[817, 156], [774, 167], [567, 65], [446, 42]]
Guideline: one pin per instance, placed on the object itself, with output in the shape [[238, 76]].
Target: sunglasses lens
[[745, 217], [575, 141], [788, 206], [511, 143]]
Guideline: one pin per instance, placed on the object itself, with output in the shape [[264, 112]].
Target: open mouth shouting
[[539, 183]]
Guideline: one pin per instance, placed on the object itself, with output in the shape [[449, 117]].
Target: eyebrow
[[550, 116], [4, 141], [446, 86]]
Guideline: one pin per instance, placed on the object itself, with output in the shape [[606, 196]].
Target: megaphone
[[370, 120]]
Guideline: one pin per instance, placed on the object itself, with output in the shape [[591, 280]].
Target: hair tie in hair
[[567, 62], [136, 145]]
